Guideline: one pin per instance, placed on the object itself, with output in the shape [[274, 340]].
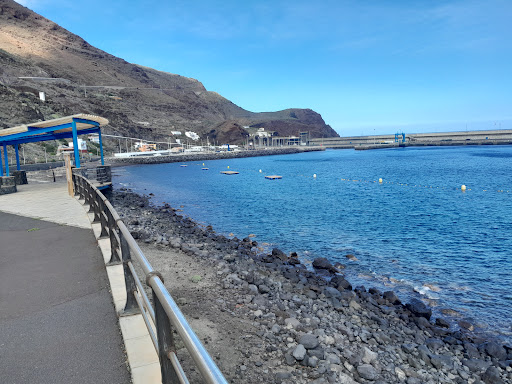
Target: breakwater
[[206, 156], [494, 137]]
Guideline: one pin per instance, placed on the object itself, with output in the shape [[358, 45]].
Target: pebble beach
[[266, 317]]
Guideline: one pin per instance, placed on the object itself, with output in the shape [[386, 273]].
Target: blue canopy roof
[[61, 128]]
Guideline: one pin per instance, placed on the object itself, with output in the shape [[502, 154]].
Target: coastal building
[[259, 137]]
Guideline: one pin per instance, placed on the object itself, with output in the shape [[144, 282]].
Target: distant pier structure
[[491, 137], [259, 137]]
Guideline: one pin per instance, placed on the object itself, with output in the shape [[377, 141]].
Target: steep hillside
[[138, 101]]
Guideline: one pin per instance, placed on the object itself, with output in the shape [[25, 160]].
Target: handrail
[[165, 315]]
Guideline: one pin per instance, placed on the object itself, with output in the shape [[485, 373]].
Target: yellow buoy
[[463, 187], [203, 164], [380, 180], [228, 166]]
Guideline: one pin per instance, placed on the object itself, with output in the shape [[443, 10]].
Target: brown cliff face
[[138, 101]]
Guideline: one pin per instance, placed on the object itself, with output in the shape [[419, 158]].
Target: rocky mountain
[[37, 55]]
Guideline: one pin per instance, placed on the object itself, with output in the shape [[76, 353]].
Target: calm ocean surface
[[416, 233]]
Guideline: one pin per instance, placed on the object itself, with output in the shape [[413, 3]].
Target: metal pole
[[17, 150], [75, 144], [165, 343], [101, 147], [6, 158], [131, 306], [24, 155], [1, 166]]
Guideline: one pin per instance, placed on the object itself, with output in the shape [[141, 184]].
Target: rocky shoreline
[[282, 323], [206, 156]]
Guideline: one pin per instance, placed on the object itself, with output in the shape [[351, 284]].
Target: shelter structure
[[61, 128]]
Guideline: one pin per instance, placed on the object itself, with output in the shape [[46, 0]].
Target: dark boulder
[[492, 376], [374, 291], [323, 263], [293, 259], [391, 297], [309, 341], [340, 283], [495, 350], [419, 309], [278, 254]]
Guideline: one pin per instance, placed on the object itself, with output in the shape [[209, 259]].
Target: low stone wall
[[99, 175], [42, 166], [20, 177], [116, 161], [7, 185]]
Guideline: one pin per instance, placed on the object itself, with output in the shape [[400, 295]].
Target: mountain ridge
[[138, 100]]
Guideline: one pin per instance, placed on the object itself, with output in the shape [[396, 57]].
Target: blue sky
[[374, 66]]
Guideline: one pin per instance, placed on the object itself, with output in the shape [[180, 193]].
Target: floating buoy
[[260, 170], [463, 187], [203, 164], [314, 176], [228, 166], [380, 180]]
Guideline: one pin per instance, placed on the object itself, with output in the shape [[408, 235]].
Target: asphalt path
[[57, 319]]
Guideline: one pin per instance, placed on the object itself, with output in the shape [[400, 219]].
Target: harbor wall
[[494, 137]]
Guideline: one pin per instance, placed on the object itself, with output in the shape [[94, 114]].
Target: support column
[[6, 158], [101, 147], [17, 150], [1, 166], [76, 150]]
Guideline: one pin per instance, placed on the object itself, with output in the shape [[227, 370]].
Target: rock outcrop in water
[[305, 327]]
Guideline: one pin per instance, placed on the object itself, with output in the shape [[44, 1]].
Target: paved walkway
[[46, 201], [57, 320]]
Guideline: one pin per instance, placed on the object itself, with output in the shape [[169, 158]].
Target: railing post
[[73, 180], [88, 195], [131, 306], [92, 199], [96, 208], [103, 220], [81, 192], [114, 257], [165, 343]]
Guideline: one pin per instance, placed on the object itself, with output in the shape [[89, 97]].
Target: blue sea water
[[415, 233]]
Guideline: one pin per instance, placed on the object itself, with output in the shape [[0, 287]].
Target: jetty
[[491, 137], [207, 156]]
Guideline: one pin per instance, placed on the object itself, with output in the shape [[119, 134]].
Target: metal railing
[[164, 314]]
